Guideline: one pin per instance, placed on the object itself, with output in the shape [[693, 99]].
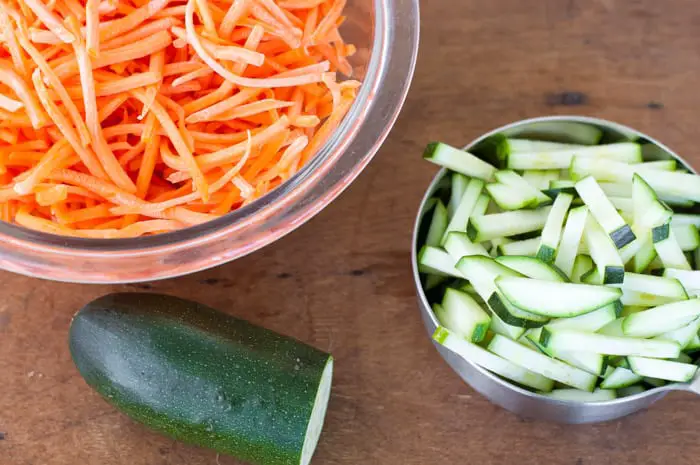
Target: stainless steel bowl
[[501, 392]]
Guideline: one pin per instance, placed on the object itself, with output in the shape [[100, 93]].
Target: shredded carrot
[[137, 117]]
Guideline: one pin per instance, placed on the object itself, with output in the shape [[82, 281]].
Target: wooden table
[[343, 281]]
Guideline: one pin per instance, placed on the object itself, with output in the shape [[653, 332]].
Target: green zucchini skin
[[199, 375]]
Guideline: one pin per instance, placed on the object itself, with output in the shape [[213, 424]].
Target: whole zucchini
[[204, 377]]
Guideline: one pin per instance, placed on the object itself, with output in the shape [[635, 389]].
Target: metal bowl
[[498, 390]]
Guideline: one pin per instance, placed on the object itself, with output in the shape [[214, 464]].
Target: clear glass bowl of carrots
[[145, 139]]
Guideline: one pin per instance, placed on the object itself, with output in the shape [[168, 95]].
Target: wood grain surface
[[343, 281]]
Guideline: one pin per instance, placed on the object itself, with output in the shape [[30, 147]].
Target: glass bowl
[[386, 35]]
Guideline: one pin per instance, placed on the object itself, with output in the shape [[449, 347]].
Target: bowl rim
[[424, 305]]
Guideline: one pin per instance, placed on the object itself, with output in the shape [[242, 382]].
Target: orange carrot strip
[[52, 195], [58, 87], [57, 153], [252, 109], [10, 104], [26, 219], [237, 9], [11, 79], [117, 27], [133, 230], [205, 16], [232, 102], [179, 143], [10, 40], [150, 157], [111, 106], [92, 26], [148, 45], [141, 32], [51, 21], [300, 4]]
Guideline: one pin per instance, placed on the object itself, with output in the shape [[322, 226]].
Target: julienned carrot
[[136, 117]]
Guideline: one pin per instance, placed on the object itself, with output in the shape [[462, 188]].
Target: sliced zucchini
[[624, 205], [462, 315], [481, 272], [662, 369], [627, 152], [460, 219], [687, 236], [438, 225], [558, 186], [654, 285], [659, 165], [432, 260], [661, 319], [487, 227], [482, 205], [610, 267], [614, 189], [570, 239], [582, 265], [689, 279], [694, 344], [551, 233], [604, 212], [559, 131], [482, 357], [671, 254], [628, 310], [458, 160], [673, 183], [459, 184], [590, 362], [686, 218], [642, 299], [532, 268], [540, 179], [620, 378], [511, 198], [644, 256], [574, 395], [555, 299], [683, 335], [514, 316], [601, 169], [614, 328], [527, 247], [458, 245], [434, 280], [528, 145], [542, 364], [592, 321], [513, 179], [570, 340], [649, 212], [631, 391]]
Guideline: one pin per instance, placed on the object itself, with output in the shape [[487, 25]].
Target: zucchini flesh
[[528, 145], [462, 315], [433, 260], [458, 245], [630, 391], [582, 265], [513, 179], [671, 254], [487, 227], [627, 152], [559, 131], [459, 183], [514, 316], [604, 212], [482, 205], [604, 253], [460, 219], [592, 321], [458, 160], [687, 236], [654, 285], [574, 395], [532, 268], [555, 299], [590, 362], [661, 319], [686, 218], [689, 279], [438, 225], [614, 328], [620, 378], [542, 364], [662, 369], [492, 362], [642, 299], [204, 377], [570, 240], [570, 340], [551, 233], [683, 335], [527, 247], [511, 198]]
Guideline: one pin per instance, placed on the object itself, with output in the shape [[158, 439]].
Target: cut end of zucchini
[[546, 253], [318, 414], [440, 335], [622, 236], [660, 233]]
